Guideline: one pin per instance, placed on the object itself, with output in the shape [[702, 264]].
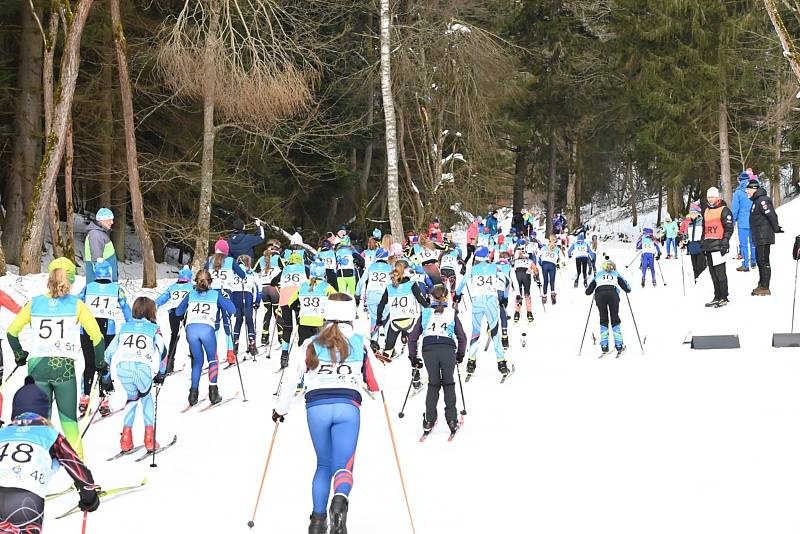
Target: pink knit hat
[[221, 247]]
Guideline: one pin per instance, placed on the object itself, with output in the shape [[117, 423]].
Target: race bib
[[25, 465], [202, 313], [221, 278], [449, 262], [292, 279], [102, 306], [330, 262], [135, 346], [523, 263], [403, 307], [176, 296], [378, 281], [484, 284], [336, 375], [428, 254], [54, 337], [312, 305]]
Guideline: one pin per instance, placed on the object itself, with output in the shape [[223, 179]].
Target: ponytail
[[218, 259], [332, 339], [439, 294], [398, 271], [202, 280]]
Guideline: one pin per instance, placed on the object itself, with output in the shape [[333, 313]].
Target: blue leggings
[[549, 276], [334, 433], [202, 337], [243, 300], [372, 306], [747, 248], [137, 379], [671, 246], [487, 307], [649, 262]]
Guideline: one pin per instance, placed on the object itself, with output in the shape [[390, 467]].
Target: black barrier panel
[[785, 340], [715, 342]]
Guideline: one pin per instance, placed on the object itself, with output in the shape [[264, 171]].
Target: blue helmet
[[102, 270], [581, 236], [317, 270], [520, 242], [381, 254], [377, 234], [648, 231], [185, 274], [482, 254], [104, 214]]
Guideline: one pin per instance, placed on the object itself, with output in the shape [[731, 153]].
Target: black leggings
[[440, 361], [718, 277], [523, 282], [582, 266], [269, 298], [304, 332], [89, 369], [21, 511], [608, 306], [174, 335]]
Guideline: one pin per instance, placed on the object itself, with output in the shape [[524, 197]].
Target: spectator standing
[[763, 227], [98, 246], [740, 207], [717, 232]]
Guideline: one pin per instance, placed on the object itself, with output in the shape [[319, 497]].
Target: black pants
[[470, 252], [582, 266], [304, 332], [89, 369], [523, 282], [719, 278], [698, 264], [269, 298], [21, 509], [440, 361], [608, 305], [174, 335], [286, 324], [764, 270]]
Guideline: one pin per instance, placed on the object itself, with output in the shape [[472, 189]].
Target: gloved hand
[[658, 257], [724, 248], [105, 381], [89, 501], [159, 378], [256, 306], [20, 359], [378, 322], [457, 298], [459, 358], [102, 367], [463, 270], [277, 417], [416, 362], [779, 230], [366, 308]]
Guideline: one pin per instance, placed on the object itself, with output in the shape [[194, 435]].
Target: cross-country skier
[[450, 262], [480, 282], [347, 262], [651, 253], [105, 300], [246, 296], [55, 318], [139, 355], [269, 265], [605, 286], [583, 254], [309, 302], [427, 255], [504, 281], [692, 228], [524, 266], [223, 269], [549, 257], [293, 275], [33, 451], [443, 343], [334, 366], [201, 307], [169, 300], [371, 288]]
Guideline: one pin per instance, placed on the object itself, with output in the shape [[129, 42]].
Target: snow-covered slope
[[672, 440]]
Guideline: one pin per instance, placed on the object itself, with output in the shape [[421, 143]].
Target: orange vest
[[712, 221]]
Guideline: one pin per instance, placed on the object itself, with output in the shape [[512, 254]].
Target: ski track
[[671, 441]]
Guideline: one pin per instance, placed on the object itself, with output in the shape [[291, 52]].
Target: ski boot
[[265, 338], [553, 297], [251, 347], [655, 284], [530, 317], [471, 364], [126, 441], [585, 284], [338, 513], [712, 304], [453, 426], [416, 381], [502, 366], [743, 269], [376, 348], [643, 281], [620, 350], [319, 524], [721, 303], [83, 405], [604, 349], [284, 359], [427, 426], [150, 442], [105, 411], [762, 292], [544, 299], [193, 395], [235, 343], [504, 340], [516, 316], [213, 394], [576, 283]]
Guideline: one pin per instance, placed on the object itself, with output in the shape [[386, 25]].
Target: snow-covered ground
[[672, 440]]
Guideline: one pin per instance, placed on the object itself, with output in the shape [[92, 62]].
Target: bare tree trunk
[[790, 52], [119, 203], [551, 182], [520, 177], [209, 133], [56, 139], [572, 209], [724, 152], [69, 242], [3, 269], [416, 200], [19, 184], [137, 205], [629, 182], [392, 180], [775, 179], [106, 130]]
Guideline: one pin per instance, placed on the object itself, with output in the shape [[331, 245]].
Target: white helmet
[[340, 311]]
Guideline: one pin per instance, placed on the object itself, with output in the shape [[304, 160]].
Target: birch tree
[[393, 189]]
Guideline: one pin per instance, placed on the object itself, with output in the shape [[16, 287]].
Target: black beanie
[[30, 398], [238, 224]]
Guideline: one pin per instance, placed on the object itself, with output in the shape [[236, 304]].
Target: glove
[[658, 257], [416, 362], [256, 306], [504, 302], [277, 417], [463, 270], [159, 378], [20, 359], [89, 501], [102, 367], [724, 248], [378, 322], [105, 382], [456, 298], [459, 358], [779, 230]]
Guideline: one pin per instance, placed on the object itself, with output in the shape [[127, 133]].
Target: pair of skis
[[137, 448], [502, 379], [426, 433], [101, 494], [211, 406]]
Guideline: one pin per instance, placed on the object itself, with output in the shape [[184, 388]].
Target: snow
[[672, 440], [457, 28]]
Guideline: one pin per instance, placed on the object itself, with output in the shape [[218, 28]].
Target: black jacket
[[713, 244], [763, 219]]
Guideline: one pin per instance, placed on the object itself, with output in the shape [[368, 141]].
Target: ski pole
[[461, 386], [634, 322], [661, 272], [252, 521], [155, 426], [683, 274], [283, 369], [794, 299], [397, 458], [239, 370], [401, 414], [633, 260], [9, 376], [83, 528], [585, 328]]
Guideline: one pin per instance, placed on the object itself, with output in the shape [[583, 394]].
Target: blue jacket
[[240, 243], [491, 222], [741, 206]]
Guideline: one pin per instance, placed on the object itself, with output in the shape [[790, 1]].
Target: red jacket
[[472, 232]]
